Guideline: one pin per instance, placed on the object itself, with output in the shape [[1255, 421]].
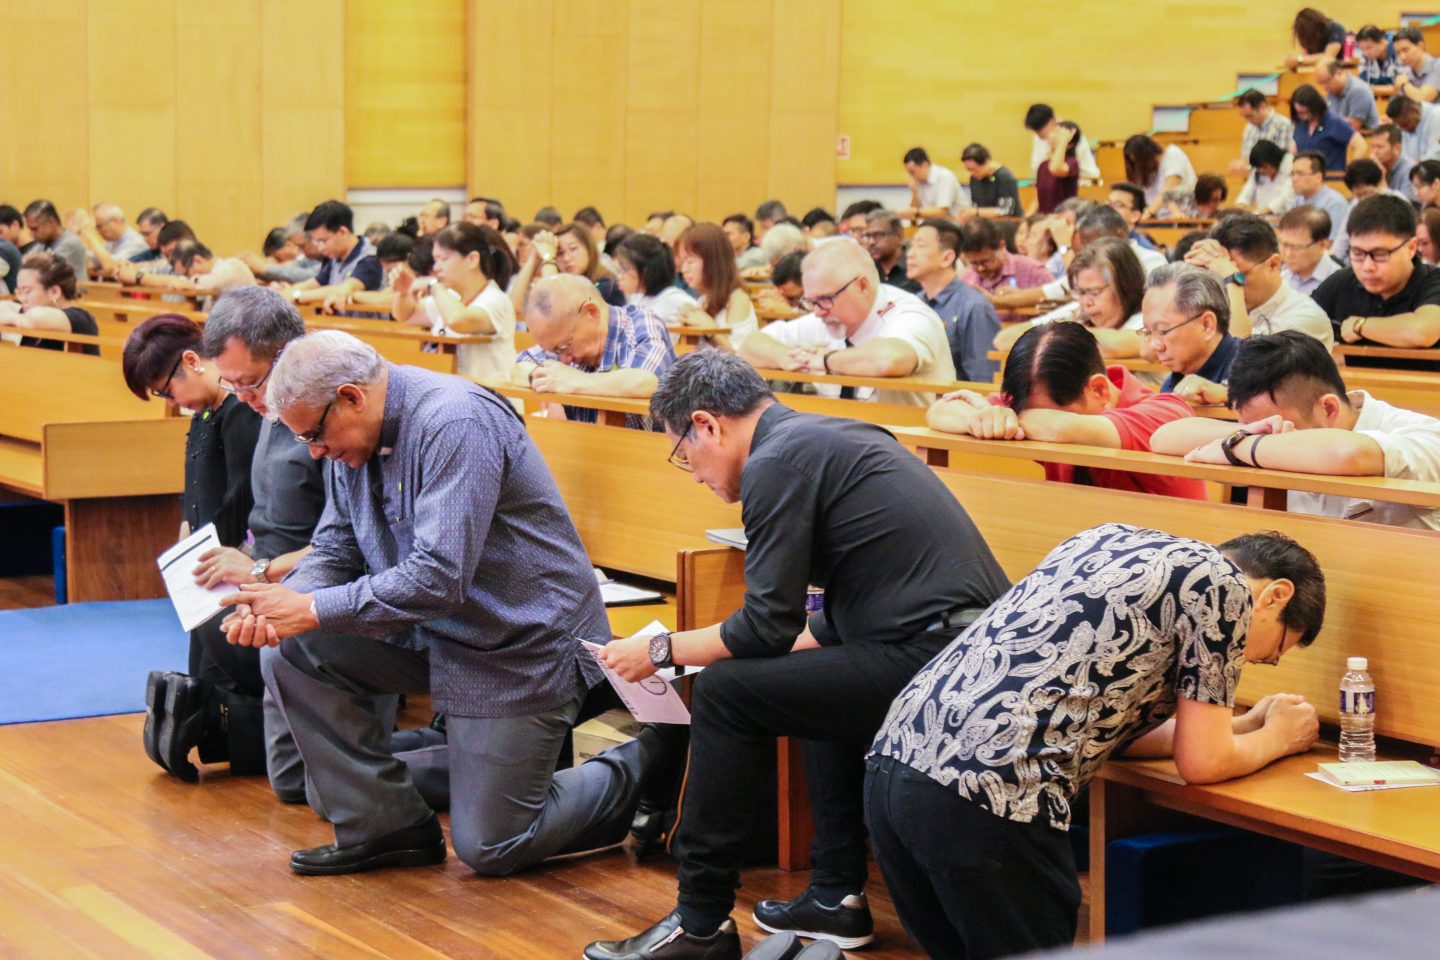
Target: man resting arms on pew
[[587, 346], [1387, 295], [857, 326], [1296, 414], [1187, 324], [1057, 389], [1122, 641]]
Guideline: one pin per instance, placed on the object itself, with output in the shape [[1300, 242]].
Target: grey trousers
[[509, 808]]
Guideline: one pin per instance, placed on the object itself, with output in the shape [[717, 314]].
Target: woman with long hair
[[645, 269], [1319, 130], [1316, 37], [1157, 170], [707, 262]]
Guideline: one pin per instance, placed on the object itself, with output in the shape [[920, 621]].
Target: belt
[[957, 619]]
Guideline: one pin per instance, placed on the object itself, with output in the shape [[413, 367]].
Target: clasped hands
[[555, 377], [265, 613], [988, 419], [811, 358], [1211, 452]]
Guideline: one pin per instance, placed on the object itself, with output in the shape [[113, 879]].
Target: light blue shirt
[[1425, 141], [1333, 203], [1356, 102]]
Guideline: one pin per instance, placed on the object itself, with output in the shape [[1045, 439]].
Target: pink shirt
[[1019, 273]]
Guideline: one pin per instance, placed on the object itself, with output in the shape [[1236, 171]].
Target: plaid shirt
[[1379, 73], [1277, 129], [635, 339]]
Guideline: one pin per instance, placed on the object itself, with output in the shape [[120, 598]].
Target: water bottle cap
[[1357, 663]]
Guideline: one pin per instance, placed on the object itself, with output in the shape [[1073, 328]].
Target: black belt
[[957, 619]]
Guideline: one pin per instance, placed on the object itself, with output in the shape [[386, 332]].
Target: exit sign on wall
[[842, 146]]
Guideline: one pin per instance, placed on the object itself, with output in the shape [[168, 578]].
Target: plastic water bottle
[[1347, 52], [1357, 713], [814, 600]]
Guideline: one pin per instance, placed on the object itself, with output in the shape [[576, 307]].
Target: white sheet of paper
[[193, 603], [1365, 787], [652, 700]]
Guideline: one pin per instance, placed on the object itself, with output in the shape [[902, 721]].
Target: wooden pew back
[[46, 386]]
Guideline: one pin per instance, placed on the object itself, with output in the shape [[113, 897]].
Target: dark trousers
[[967, 884], [234, 726], [833, 699]]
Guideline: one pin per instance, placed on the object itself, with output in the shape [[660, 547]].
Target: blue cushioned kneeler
[[25, 533], [57, 547], [1164, 878]]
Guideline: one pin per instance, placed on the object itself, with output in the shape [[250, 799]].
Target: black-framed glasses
[[1149, 334], [238, 388], [827, 301], [678, 459], [1274, 659], [312, 438], [1379, 256], [164, 392], [875, 236]]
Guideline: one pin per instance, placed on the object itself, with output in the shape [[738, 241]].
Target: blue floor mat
[[85, 659]]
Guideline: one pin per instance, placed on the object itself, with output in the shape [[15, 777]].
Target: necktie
[[847, 393]]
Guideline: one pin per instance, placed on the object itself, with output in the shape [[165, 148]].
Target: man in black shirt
[[826, 502], [1387, 295], [884, 240]]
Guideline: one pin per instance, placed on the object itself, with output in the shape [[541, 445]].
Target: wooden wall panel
[[588, 105], [512, 63], [45, 147], [941, 76], [302, 100], [662, 106], [405, 90], [804, 108], [132, 104], [733, 144]]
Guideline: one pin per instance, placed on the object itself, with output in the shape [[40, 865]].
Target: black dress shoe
[[667, 940], [847, 925], [820, 950], [182, 725], [154, 712], [422, 845], [780, 946]]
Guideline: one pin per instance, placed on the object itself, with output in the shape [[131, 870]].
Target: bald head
[[842, 281], [564, 314], [109, 220]]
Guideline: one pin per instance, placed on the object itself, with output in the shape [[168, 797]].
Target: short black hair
[[9, 214], [395, 248], [173, 232], [1250, 235], [1208, 186], [1383, 213], [1038, 116], [422, 256], [549, 216], [1317, 160], [788, 269], [1426, 171], [274, 240], [1253, 99], [186, 252], [1370, 32], [588, 216], [744, 222], [1289, 362], [1267, 154], [713, 380], [981, 234], [816, 215], [772, 210], [331, 215], [1411, 34], [1399, 106], [976, 153], [1313, 220], [1272, 555], [861, 208], [152, 215], [1363, 172], [916, 155], [1136, 195], [1185, 244], [42, 210], [1389, 131], [1311, 99], [154, 348], [653, 261], [614, 236], [950, 236], [1060, 358]]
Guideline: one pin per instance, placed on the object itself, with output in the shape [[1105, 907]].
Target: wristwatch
[[660, 650], [257, 570], [1237, 278], [1227, 447]]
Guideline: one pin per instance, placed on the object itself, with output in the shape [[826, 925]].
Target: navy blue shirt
[[971, 324], [361, 264], [1216, 369], [11, 255], [453, 539], [1330, 139]]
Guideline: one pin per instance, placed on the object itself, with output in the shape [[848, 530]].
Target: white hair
[[838, 258], [313, 367], [781, 239]]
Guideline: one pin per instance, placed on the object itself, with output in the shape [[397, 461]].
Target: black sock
[[699, 923]]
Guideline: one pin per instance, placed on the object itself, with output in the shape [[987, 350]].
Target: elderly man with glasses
[[858, 326], [1187, 324], [826, 502]]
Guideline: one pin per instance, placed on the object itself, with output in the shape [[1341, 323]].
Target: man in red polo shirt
[[1056, 388]]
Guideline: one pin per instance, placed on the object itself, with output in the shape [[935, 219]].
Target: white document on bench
[[652, 700], [616, 594], [193, 603]]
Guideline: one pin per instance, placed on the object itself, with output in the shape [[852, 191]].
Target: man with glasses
[[1187, 323], [587, 346], [1305, 249], [827, 502], [884, 239], [1307, 177], [857, 326], [1387, 295], [993, 269], [1128, 200], [442, 520], [1244, 253]]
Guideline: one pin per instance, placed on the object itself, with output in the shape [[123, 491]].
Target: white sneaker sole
[[844, 943]]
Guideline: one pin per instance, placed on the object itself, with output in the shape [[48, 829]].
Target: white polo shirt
[[896, 314], [942, 190], [1291, 310], [1411, 443]]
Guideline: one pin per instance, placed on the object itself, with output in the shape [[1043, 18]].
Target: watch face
[[660, 648]]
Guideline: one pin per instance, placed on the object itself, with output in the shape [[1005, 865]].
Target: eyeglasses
[[678, 459], [312, 438], [238, 388], [1091, 294], [164, 392], [874, 236], [1358, 256], [826, 302], [1147, 334], [1274, 659]]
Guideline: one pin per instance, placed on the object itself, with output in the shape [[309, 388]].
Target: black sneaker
[[667, 940], [848, 925]]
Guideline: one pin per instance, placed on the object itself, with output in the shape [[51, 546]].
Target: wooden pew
[[1344, 351]]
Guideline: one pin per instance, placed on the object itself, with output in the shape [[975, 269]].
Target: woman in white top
[[1267, 189], [645, 269], [1157, 170], [707, 262], [467, 296]]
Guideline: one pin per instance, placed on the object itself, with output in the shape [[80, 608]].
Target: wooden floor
[[18, 593], [104, 856]]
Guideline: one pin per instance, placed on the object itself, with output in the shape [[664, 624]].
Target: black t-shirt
[[219, 450], [897, 277], [988, 192], [80, 322], [1341, 295]]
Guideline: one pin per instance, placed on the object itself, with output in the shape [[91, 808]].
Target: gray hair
[[295, 226], [1103, 220], [711, 380], [1196, 291], [315, 366], [260, 318], [781, 239], [561, 291]]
